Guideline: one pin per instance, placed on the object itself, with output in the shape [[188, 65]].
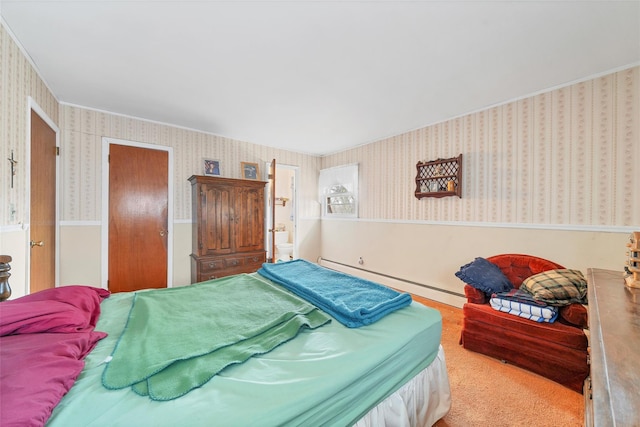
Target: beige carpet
[[487, 392]]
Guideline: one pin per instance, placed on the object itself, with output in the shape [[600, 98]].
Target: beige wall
[[566, 157], [18, 83], [555, 175], [426, 256], [80, 199], [550, 174], [82, 133], [82, 138], [81, 249]]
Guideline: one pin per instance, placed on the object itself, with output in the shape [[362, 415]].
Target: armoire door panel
[[250, 231], [216, 226]]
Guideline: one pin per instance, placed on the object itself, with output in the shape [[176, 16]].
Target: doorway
[[285, 210], [137, 226], [43, 212]]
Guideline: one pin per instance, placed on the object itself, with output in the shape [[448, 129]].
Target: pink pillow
[[64, 309], [37, 371], [44, 338]]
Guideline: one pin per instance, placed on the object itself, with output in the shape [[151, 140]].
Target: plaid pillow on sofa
[[557, 287]]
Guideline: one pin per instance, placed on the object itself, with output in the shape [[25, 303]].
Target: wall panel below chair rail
[[430, 254]]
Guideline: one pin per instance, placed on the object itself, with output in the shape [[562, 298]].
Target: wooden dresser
[[228, 227], [612, 392]]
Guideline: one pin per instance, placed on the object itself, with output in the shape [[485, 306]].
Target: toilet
[[283, 247]]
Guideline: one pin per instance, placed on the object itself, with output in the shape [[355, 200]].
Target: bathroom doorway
[[285, 220]]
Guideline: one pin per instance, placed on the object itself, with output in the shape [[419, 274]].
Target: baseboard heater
[[432, 292]]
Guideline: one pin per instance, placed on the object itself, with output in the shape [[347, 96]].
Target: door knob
[[163, 232], [40, 243]]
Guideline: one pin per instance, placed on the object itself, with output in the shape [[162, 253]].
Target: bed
[[390, 370]]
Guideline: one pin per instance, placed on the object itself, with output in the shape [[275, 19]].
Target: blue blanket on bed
[[352, 301]]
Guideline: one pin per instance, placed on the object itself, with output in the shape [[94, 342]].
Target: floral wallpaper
[[18, 82], [570, 156], [82, 133]]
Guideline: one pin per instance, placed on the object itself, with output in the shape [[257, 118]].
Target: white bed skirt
[[420, 402]]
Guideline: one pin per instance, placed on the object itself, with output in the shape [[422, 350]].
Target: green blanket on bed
[[177, 339]]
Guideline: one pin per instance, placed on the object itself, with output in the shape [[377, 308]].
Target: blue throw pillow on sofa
[[485, 276]]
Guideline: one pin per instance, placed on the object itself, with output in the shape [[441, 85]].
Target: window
[[338, 190]]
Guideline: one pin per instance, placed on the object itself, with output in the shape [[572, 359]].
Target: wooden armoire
[[228, 227]]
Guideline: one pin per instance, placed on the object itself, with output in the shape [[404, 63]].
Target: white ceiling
[[316, 76]]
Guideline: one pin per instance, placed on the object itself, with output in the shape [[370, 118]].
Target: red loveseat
[[557, 350]]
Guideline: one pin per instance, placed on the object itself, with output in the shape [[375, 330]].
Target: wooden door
[[42, 220], [215, 214], [138, 223], [249, 218]]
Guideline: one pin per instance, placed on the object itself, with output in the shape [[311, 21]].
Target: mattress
[[422, 401], [332, 375]]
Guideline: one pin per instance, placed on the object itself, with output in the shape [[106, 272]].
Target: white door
[[286, 212]]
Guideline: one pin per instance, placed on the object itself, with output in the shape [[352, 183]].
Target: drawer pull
[[212, 264]]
